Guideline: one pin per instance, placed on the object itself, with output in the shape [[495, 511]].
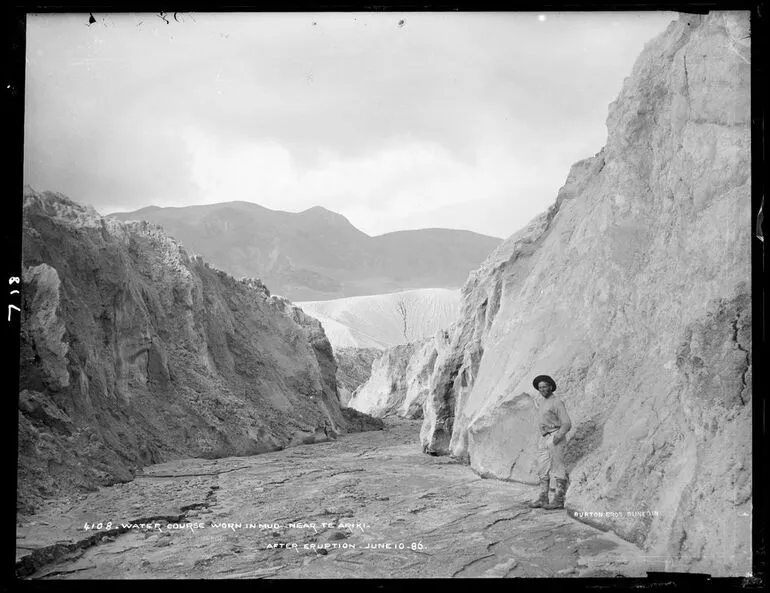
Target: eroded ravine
[[332, 509]]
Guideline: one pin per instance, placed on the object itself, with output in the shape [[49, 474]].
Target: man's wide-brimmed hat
[[545, 378]]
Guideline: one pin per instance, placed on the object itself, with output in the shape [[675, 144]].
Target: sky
[[395, 120]]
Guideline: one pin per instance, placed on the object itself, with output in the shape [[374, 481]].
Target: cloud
[[400, 183], [383, 123], [403, 175], [225, 171]]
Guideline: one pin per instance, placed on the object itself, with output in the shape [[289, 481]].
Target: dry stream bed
[[368, 505]]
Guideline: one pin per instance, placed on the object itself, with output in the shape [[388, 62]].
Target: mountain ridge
[[122, 214], [317, 254]]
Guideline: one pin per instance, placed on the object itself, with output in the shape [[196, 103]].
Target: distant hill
[[374, 321], [318, 254]]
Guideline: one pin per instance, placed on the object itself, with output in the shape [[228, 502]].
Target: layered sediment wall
[[633, 291], [133, 353]]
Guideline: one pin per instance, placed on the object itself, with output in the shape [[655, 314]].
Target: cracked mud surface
[[374, 488]]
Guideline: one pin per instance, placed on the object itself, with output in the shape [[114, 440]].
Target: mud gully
[[368, 505]]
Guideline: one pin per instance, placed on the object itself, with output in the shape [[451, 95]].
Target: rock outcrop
[[354, 367], [361, 422], [632, 291], [327, 364], [133, 353], [400, 379]]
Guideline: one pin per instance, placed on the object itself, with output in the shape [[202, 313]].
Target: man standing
[[554, 424]]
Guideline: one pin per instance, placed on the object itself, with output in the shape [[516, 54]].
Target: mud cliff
[[133, 353], [354, 367], [400, 379], [632, 291]]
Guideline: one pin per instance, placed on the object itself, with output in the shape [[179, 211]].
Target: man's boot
[[558, 497], [541, 500]]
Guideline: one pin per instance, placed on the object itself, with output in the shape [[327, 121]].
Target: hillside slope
[[374, 321], [133, 353], [317, 254], [632, 291]]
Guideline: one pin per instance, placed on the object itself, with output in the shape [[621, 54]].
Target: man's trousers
[[550, 458]]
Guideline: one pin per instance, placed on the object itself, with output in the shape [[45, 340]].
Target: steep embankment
[[354, 367], [400, 379], [632, 291], [385, 320], [318, 254], [133, 353]]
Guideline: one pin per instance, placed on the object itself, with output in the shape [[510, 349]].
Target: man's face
[[544, 388]]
